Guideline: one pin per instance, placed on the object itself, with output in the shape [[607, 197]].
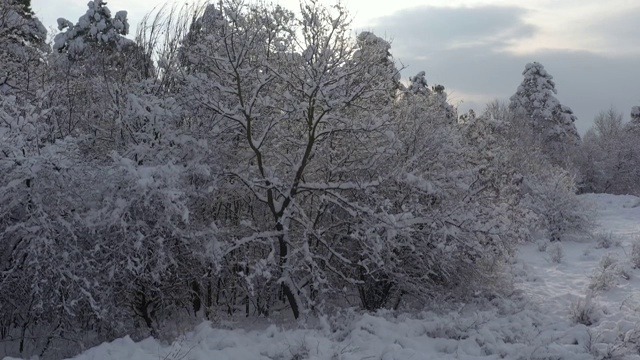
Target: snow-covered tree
[[22, 49], [286, 107], [312, 151], [634, 125], [604, 149], [376, 50], [97, 68], [609, 156], [551, 124], [546, 191], [46, 279], [95, 29], [443, 212], [435, 99]]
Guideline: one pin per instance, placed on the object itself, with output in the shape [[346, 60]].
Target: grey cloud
[[621, 30], [587, 82], [429, 29]]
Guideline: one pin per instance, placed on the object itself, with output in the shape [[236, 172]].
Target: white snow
[[535, 323]]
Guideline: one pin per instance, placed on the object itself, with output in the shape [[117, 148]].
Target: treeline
[[238, 159], [609, 160]]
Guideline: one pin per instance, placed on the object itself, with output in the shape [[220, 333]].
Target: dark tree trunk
[[288, 293], [196, 302]]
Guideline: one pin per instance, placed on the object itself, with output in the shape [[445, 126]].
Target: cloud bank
[[468, 49]]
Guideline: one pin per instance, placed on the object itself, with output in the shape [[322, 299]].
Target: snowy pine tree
[[96, 28], [432, 100], [634, 125], [22, 49], [552, 124]]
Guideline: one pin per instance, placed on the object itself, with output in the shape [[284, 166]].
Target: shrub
[[556, 252], [584, 311], [605, 276], [605, 240], [635, 253], [542, 245]]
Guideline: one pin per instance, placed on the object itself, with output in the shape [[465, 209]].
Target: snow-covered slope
[[538, 323]]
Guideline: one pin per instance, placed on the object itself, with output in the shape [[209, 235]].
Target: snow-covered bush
[[626, 342], [605, 240], [584, 311], [625, 270], [542, 244], [46, 278], [630, 339], [634, 257], [551, 194], [555, 251], [415, 241], [606, 274], [106, 235]]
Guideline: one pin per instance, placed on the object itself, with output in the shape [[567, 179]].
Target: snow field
[[603, 277]]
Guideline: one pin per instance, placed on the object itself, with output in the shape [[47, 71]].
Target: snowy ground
[[538, 324]]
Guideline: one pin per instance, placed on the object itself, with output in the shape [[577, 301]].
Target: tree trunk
[[288, 293], [292, 300], [196, 302]]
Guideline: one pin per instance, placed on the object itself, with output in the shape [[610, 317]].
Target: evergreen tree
[[634, 125], [96, 28], [635, 113], [435, 98], [26, 7], [378, 52], [551, 124], [17, 20], [22, 46]]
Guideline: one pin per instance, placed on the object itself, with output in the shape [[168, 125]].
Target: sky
[[478, 49]]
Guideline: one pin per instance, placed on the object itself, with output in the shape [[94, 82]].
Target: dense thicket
[[242, 159]]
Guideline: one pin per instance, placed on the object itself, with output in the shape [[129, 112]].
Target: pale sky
[[478, 49]]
